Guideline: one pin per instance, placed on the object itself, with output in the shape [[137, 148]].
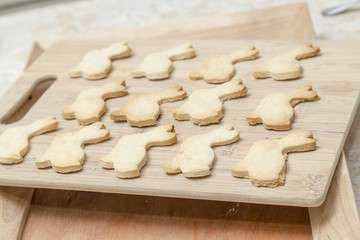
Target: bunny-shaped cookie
[[265, 165], [96, 64], [196, 155], [204, 106], [157, 66], [276, 111], [129, 155], [219, 68], [286, 65], [143, 109]]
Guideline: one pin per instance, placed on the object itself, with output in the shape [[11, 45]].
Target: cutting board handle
[[15, 103]]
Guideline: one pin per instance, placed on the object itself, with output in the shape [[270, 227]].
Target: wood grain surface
[[308, 174], [337, 217], [286, 13], [58, 214], [16, 200], [14, 205], [42, 212], [286, 22]]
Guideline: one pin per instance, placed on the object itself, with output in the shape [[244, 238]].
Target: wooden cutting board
[[308, 174], [53, 208], [15, 201]]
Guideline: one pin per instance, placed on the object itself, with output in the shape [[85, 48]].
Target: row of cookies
[[195, 159], [143, 109], [219, 68], [203, 106]]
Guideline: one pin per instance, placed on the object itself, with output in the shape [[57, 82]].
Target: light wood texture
[[15, 201], [58, 214], [287, 22], [14, 205], [30, 101], [337, 217], [36, 51], [308, 174], [237, 21], [46, 213]]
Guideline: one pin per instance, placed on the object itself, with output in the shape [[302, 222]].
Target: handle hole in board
[[24, 105]]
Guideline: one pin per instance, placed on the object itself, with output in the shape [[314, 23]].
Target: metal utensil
[[339, 8]]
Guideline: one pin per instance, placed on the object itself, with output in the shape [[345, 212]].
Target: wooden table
[[56, 214]]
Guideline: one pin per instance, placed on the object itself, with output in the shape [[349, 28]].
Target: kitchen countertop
[[21, 26]]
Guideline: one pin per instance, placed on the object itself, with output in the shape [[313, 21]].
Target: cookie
[[219, 68], [265, 165], [14, 142], [276, 111], [66, 153], [286, 66], [196, 154], [89, 106], [96, 64], [204, 106], [143, 109], [157, 66], [129, 155]]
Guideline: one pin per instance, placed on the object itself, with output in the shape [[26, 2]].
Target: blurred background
[[22, 22]]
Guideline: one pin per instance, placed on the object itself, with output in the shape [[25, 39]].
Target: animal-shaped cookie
[[129, 155], [286, 65], [265, 165], [219, 68], [89, 106], [204, 106], [276, 111], [66, 153], [96, 64], [157, 66], [143, 109], [196, 154], [14, 142]]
